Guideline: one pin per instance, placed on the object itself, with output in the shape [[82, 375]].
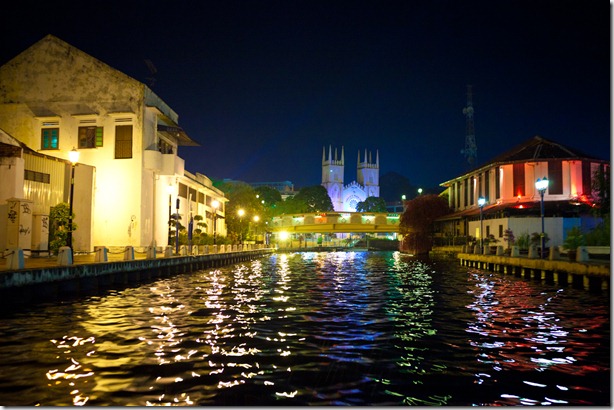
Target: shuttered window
[[50, 138], [123, 141], [90, 137]]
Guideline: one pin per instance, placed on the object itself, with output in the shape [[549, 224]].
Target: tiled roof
[[538, 148]]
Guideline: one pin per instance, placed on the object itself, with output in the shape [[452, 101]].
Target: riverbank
[[41, 277]]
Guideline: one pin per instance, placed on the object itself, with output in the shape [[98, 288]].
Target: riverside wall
[[590, 275], [51, 279]]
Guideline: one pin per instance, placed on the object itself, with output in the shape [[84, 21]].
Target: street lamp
[[256, 219], [177, 228], [240, 212], [215, 204], [481, 203], [170, 190], [73, 156], [541, 185]]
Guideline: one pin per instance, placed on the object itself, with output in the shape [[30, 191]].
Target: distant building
[[285, 188], [53, 98], [507, 183], [346, 197]]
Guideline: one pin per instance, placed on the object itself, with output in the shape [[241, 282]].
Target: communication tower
[[471, 150]]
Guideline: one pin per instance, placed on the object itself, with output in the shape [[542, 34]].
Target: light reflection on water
[[340, 328]]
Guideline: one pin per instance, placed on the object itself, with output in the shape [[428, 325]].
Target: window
[[518, 174], [182, 191], [30, 175], [123, 141], [50, 138], [555, 177], [90, 137]]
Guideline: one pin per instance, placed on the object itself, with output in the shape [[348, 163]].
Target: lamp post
[[170, 190], [73, 156], [481, 203], [541, 185], [256, 219], [240, 212], [215, 204], [177, 228]]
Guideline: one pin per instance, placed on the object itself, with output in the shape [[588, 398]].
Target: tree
[[315, 198], [372, 204], [601, 187], [269, 195], [416, 224], [394, 185], [240, 195]]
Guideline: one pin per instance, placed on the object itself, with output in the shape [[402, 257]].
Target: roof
[[533, 150], [539, 148]]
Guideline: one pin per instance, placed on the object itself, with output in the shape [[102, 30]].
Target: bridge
[[337, 222]]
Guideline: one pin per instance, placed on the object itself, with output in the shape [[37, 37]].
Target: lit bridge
[[339, 222]]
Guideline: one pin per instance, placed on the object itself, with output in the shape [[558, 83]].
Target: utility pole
[[471, 150]]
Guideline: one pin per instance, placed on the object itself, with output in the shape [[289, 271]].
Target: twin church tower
[[345, 198]]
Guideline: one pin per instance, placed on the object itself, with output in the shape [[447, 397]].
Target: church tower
[[367, 173], [332, 176]]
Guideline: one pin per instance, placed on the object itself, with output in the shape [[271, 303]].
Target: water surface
[[338, 328]]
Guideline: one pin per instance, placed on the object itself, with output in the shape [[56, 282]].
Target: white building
[[507, 183], [346, 197], [53, 98]]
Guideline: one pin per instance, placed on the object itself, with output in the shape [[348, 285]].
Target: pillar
[[19, 225]]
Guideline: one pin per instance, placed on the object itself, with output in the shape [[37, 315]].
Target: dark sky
[[264, 85]]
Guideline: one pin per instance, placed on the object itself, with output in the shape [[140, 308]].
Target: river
[[328, 328]]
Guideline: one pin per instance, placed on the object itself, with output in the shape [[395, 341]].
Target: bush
[[600, 236], [59, 226], [574, 238], [523, 241]]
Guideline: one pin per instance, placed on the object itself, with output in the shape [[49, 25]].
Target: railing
[[337, 222]]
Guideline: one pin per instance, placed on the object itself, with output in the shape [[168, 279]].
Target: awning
[[177, 133]]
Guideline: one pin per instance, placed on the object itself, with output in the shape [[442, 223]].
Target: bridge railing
[[337, 218]]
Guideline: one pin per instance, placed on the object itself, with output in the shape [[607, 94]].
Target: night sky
[[262, 86]]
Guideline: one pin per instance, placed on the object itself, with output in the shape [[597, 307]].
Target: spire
[[342, 155], [330, 152], [323, 154], [377, 158], [370, 158]]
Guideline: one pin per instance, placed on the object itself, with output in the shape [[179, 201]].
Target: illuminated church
[[345, 198]]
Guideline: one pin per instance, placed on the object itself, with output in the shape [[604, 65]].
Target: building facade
[[55, 98], [346, 197], [512, 201]]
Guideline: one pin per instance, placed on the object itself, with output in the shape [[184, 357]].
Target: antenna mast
[[471, 150]]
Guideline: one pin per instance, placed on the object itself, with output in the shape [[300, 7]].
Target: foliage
[[601, 187], [490, 239], [536, 238], [243, 196], [315, 198], [59, 226], [508, 236], [372, 204], [393, 186], [523, 241], [600, 236], [574, 238], [269, 195], [416, 222]]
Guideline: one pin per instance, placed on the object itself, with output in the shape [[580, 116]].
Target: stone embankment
[[590, 269], [89, 272]]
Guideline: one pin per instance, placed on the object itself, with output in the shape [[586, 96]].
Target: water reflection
[[518, 327], [339, 328]]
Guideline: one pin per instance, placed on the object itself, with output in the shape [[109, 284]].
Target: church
[[346, 197]]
